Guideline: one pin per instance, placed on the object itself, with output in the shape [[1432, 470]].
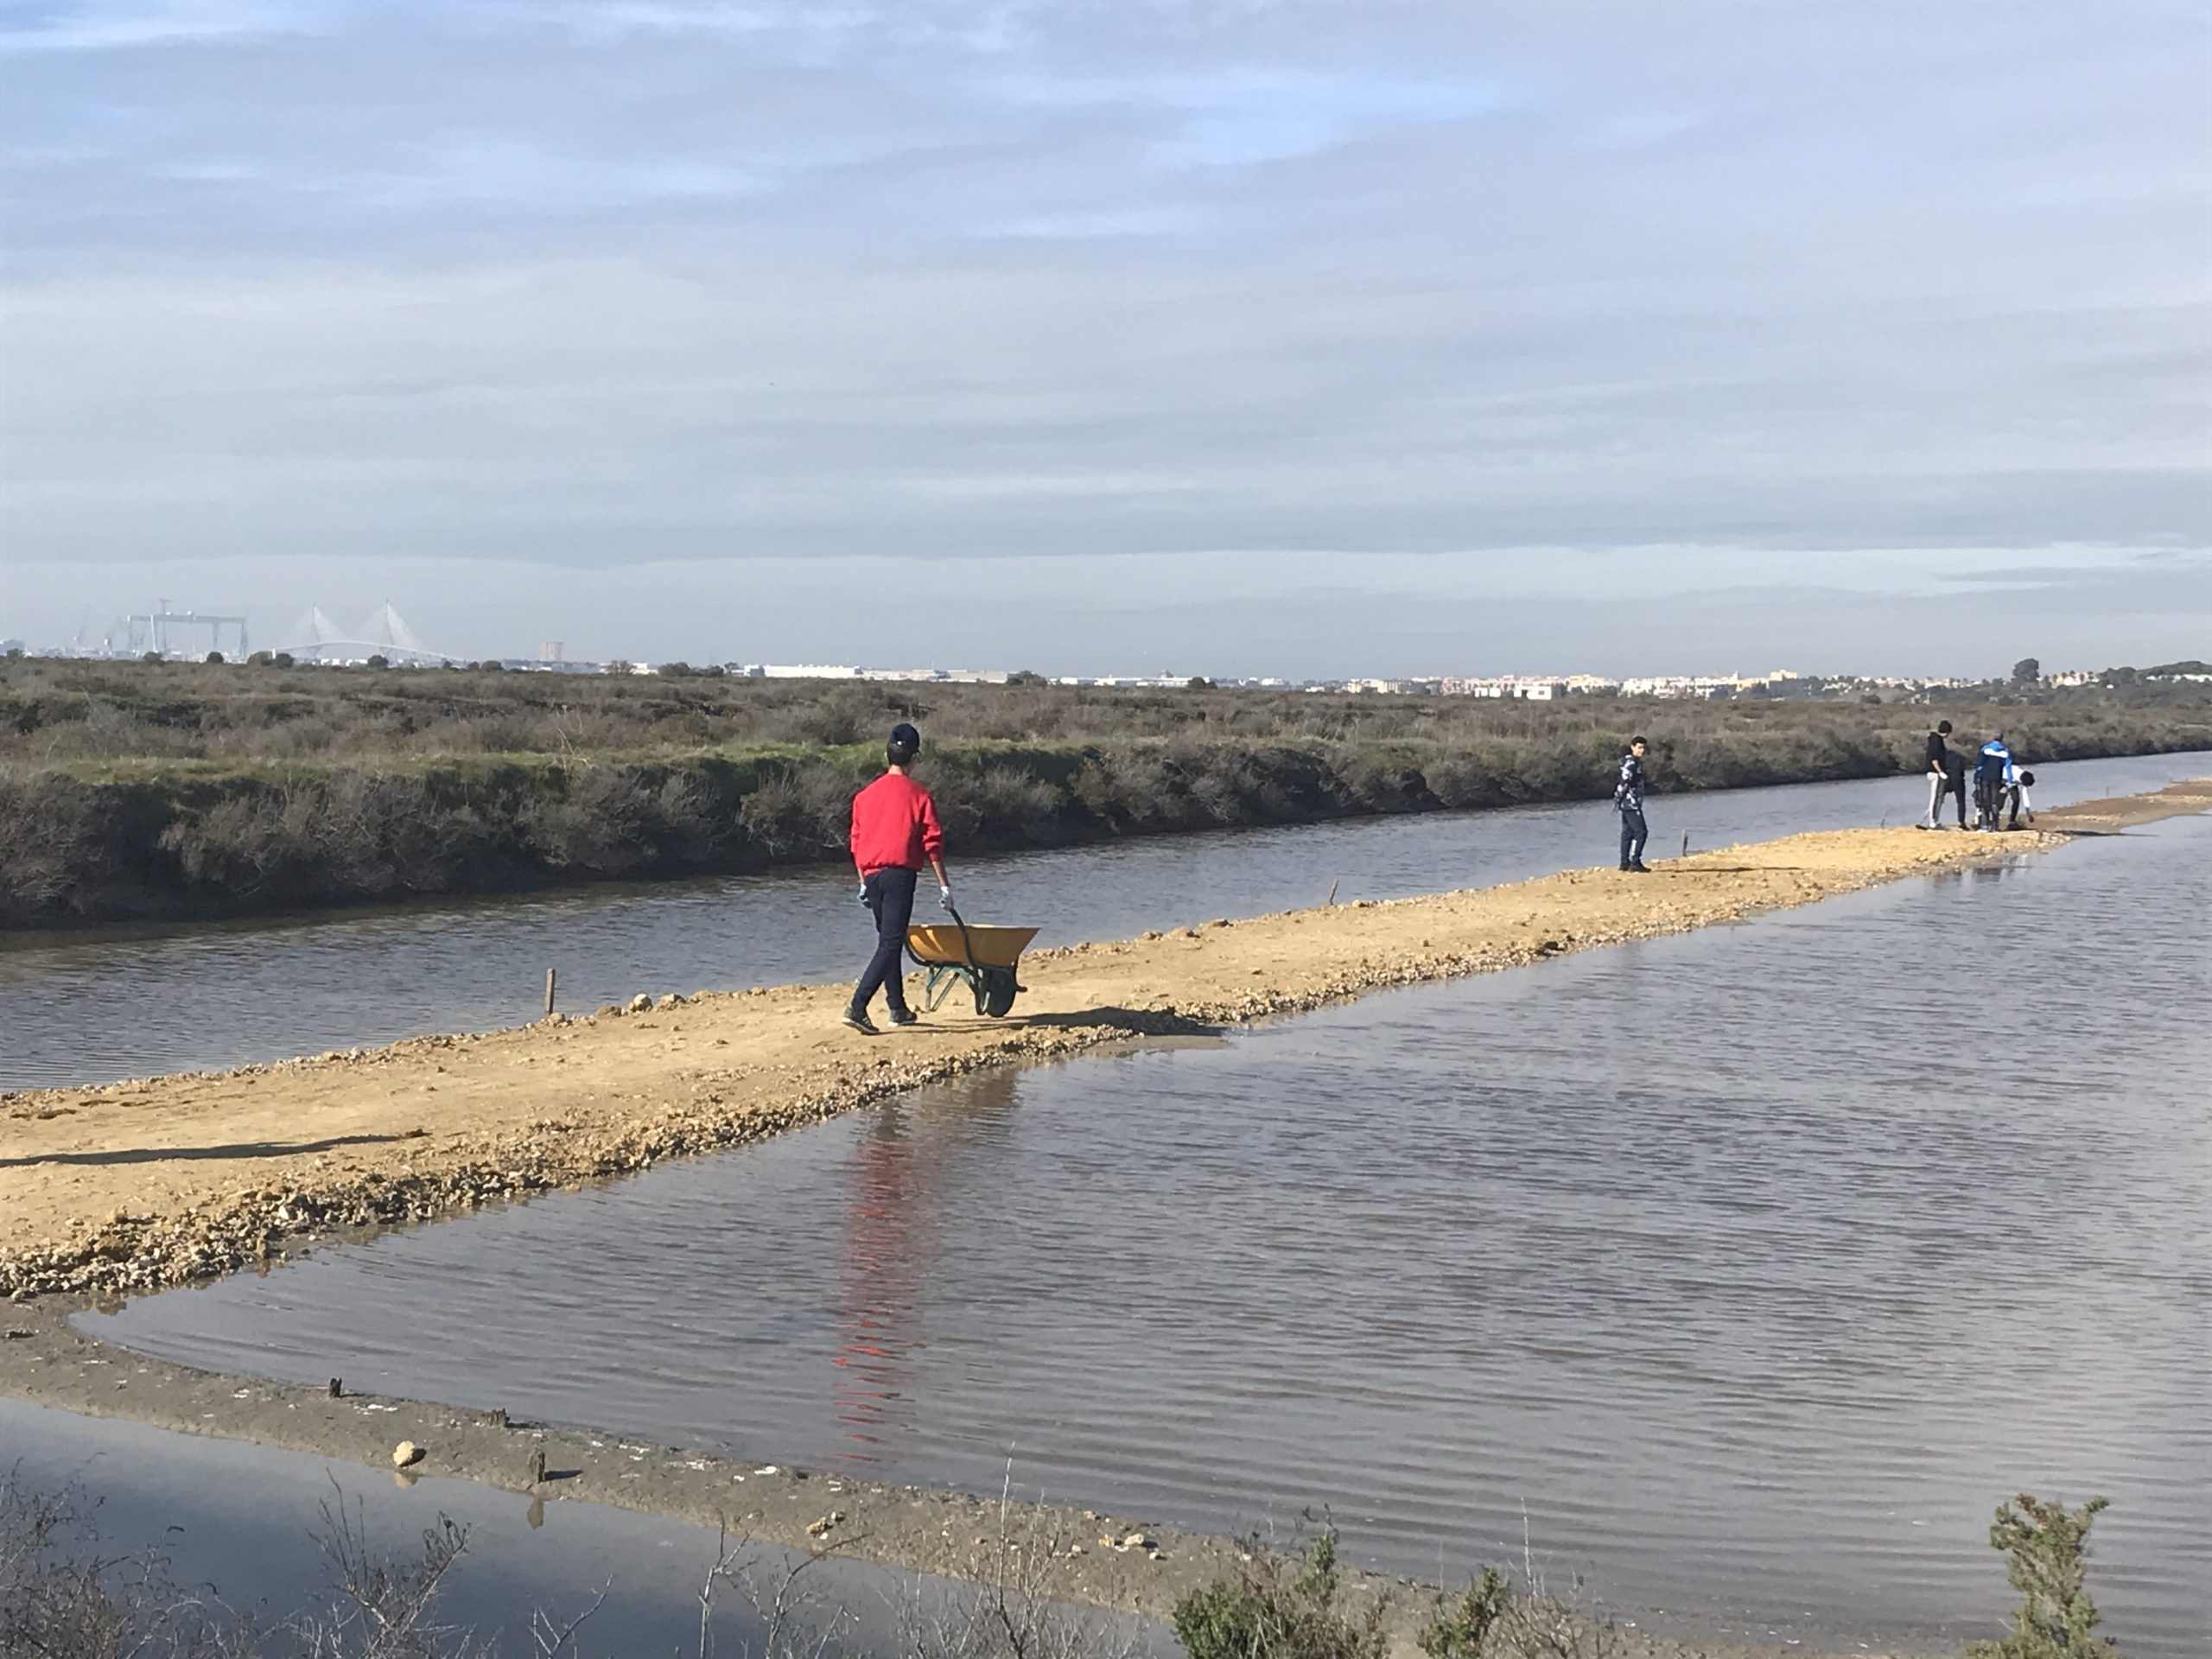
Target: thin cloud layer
[[1734, 290]]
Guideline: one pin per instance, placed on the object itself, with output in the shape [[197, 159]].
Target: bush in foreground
[[1295, 1607], [1273, 1608], [2048, 1545]]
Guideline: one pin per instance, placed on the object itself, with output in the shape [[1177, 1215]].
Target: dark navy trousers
[[891, 901], [1633, 835]]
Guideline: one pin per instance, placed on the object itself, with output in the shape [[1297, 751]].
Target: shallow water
[[79, 1008], [243, 1523], [1747, 1270]]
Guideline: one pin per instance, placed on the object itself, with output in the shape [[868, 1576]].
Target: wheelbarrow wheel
[[999, 988]]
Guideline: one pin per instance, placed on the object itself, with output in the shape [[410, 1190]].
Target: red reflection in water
[[909, 1153], [879, 1286]]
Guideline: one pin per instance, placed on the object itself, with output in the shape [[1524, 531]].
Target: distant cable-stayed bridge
[[384, 634]]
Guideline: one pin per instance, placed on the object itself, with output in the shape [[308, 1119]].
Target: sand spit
[[135, 1186]]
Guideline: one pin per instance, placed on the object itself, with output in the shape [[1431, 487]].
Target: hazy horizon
[[1199, 338]]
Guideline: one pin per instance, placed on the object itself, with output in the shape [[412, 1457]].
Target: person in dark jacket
[[1955, 771], [895, 833], [1627, 796], [1945, 774]]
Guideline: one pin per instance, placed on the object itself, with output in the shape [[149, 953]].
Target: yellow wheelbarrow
[[982, 958]]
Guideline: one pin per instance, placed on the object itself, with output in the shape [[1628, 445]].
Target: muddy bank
[[138, 1186]]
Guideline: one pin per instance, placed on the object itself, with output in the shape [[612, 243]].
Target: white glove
[[944, 897], [863, 893]]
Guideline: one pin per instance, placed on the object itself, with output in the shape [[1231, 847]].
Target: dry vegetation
[[60, 1595], [62, 1598], [136, 790]]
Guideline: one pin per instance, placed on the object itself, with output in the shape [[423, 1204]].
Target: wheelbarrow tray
[[938, 944]]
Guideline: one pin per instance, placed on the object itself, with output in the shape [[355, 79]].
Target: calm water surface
[[82, 1008], [1746, 1269]]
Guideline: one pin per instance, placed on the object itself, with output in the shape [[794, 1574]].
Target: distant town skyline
[[1290, 338], [187, 633]]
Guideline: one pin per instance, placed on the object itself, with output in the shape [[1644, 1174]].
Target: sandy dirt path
[[137, 1186]]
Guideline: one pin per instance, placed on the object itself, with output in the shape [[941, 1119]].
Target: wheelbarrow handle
[[966, 946]]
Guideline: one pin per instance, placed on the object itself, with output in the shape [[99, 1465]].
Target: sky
[[1228, 337]]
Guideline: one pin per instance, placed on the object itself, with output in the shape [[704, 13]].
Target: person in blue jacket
[[1993, 778], [1627, 796]]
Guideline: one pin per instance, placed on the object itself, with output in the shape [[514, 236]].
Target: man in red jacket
[[895, 832]]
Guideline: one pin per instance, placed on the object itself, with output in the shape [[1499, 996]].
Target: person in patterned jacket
[[1627, 796]]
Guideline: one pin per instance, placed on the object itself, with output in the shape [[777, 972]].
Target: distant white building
[[846, 672], [1532, 689], [1702, 685]]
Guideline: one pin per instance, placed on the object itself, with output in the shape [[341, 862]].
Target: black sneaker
[[904, 1017], [1641, 868], [858, 1019]]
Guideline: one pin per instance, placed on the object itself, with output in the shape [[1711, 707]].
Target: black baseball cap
[[904, 736]]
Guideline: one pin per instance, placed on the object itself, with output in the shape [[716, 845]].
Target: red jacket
[[894, 826]]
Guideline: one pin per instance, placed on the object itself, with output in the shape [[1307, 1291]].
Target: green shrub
[[2049, 1547], [1462, 1629], [1496, 1618], [1272, 1608]]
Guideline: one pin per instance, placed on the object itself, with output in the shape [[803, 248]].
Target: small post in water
[[1686, 853], [1332, 898], [552, 978]]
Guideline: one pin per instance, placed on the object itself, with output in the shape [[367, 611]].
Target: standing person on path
[[1940, 777], [1992, 777], [1955, 769], [895, 833], [1627, 796]]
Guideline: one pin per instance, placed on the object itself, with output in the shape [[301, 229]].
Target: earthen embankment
[[137, 1186]]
